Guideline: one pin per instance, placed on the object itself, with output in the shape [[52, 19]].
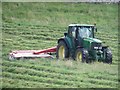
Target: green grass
[[62, 73], [39, 26]]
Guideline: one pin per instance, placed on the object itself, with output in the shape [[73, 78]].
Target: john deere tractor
[[80, 44]]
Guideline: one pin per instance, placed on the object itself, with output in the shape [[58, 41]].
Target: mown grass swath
[[39, 26]]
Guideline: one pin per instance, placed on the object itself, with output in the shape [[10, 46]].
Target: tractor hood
[[92, 40]]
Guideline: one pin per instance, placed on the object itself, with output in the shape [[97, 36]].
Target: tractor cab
[[81, 30], [78, 33]]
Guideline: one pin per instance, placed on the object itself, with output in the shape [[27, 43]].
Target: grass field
[[39, 26]]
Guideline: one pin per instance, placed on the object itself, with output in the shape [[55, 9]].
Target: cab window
[[73, 31]]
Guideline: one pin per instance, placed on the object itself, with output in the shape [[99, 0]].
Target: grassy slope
[[38, 26]]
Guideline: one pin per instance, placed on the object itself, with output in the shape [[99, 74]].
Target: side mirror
[[65, 34], [103, 42], [95, 29]]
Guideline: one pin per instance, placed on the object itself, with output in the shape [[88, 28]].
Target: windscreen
[[85, 32]]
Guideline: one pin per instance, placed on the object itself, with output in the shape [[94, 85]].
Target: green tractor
[[80, 44]]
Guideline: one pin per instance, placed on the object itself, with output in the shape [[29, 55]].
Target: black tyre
[[62, 50], [82, 55], [108, 56]]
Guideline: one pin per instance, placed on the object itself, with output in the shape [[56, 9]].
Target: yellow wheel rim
[[61, 52], [79, 56]]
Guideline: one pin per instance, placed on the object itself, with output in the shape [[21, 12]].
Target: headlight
[[97, 47]]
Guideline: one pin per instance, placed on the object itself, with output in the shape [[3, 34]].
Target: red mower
[[45, 53]]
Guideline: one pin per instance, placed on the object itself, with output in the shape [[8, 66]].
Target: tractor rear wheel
[[108, 56], [62, 50], [82, 55]]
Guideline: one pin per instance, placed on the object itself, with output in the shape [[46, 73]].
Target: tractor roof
[[80, 25]]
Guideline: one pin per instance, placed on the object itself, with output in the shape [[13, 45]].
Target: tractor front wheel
[[62, 50], [108, 56], [82, 55]]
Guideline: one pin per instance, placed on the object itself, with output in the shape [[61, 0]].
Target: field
[[28, 26]]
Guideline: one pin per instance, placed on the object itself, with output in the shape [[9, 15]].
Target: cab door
[[73, 35], [79, 39]]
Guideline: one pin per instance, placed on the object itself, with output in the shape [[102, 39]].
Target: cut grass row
[[46, 34], [35, 72], [44, 31], [18, 83], [101, 29], [33, 27], [43, 35], [66, 65], [20, 33], [42, 68], [81, 83], [48, 69], [76, 78]]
